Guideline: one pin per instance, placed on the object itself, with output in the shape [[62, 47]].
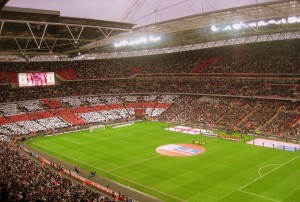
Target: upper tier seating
[[278, 57]]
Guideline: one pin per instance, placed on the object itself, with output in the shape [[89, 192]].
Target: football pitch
[[226, 171]]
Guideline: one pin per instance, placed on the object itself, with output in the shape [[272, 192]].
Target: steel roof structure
[[48, 36], [197, 28], [32, 32]]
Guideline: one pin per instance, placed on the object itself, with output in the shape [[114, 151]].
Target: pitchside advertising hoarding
[[36, 79]]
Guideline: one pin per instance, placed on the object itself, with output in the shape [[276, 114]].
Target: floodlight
[[227, 28], [252, 24], [137, 41], [214, 28], [124, 43], [261, 23], [292, 19], [131, 43], [140, 40], [143, 40], [236, 26], [270, 22]]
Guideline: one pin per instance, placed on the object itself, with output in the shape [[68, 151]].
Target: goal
[[98, 127]]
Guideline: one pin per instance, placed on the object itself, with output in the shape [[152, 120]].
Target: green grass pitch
[[227, 171]]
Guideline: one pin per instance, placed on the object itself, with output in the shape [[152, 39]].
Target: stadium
[[150, 100]]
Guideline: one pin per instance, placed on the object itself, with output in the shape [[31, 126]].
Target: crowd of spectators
[[249, 115], [23, 179], [281, 122], [280, 58], [77, 111], [266, 57], [212, 86], [237, 111], [105, 116], [294, 131], [260, 115], [270, 117], [115, 75]]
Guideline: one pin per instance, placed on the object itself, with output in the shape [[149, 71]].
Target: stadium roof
[[139, 12], [33, 32]]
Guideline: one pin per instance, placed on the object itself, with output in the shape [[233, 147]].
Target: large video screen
[[36, 79]]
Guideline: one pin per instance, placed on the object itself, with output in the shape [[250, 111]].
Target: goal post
[[98, 127]]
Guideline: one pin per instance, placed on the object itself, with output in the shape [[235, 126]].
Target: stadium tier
[[267, 116], [280, 57]]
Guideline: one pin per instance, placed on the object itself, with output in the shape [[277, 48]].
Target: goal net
[[98, 127]]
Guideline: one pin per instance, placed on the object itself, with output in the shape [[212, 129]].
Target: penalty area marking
[[128, 180], [269, 172], [265, 167], [280, 165]]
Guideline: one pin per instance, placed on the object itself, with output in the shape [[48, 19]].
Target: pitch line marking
[[68, 157], [41, 140], [68, 139], [259, 196], [148, 187], [261, 176], [116, 176], [269, 172], [65, 138], [108, 138], [265, 167], [210, 140], [58, 136], [87, 134], [133, 163], [119, 136]]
